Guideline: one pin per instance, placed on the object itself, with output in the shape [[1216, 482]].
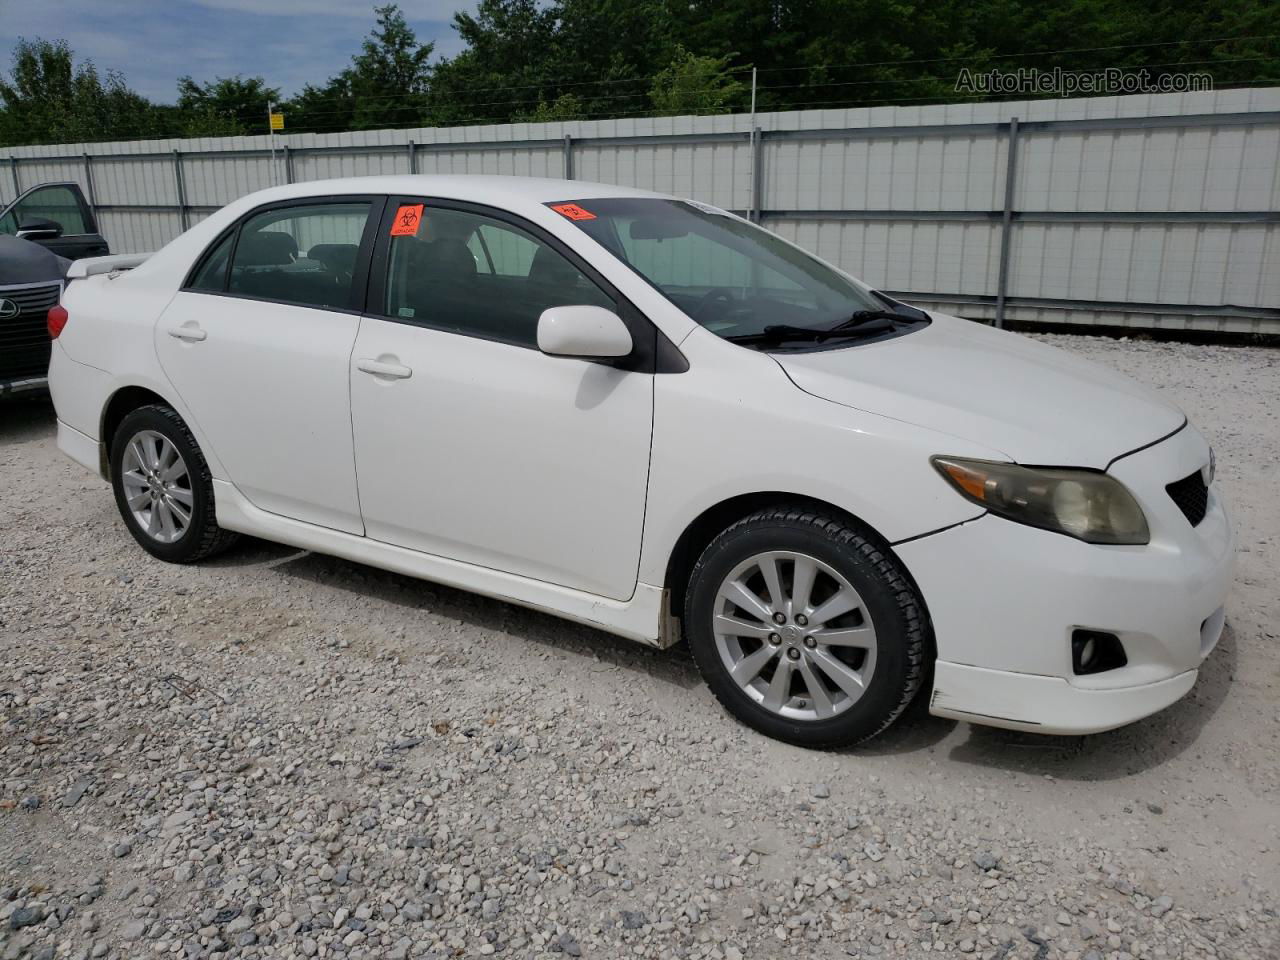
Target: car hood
[[1036, 404], [22, 261]]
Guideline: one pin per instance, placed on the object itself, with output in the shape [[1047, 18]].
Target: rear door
[[258, 344], [62, 205], [470, 443]]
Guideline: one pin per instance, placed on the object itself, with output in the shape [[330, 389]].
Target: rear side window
[[474, 274], [305, 254]]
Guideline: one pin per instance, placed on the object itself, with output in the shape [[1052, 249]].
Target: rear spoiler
[[92, 266]]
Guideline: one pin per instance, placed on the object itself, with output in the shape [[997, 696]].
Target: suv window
[[304, 254], [57, 203], [478, 275]]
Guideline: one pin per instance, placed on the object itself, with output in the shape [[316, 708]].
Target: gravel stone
[[310, 758]]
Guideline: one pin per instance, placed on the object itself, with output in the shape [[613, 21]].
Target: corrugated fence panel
[[213, 181], [960, 258], [135, 180], [1122, 211], [528, 162], [146, 230]]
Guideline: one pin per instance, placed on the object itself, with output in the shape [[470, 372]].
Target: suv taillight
[[57, 320]]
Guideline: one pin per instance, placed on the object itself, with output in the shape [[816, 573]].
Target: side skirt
[[640, 618]]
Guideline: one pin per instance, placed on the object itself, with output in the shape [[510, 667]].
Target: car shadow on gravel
[[26, 418], [1115, 754], [1106, 756], [674, 666]]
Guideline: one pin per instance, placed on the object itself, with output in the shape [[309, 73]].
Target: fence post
[[1006, 221], [182, 188], [568, 157], [17, 185], [288, 164], [413, 157], [88, 182], [757, 174]]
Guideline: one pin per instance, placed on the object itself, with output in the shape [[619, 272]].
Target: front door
[[258, 345], [60, 205], [470, 443]]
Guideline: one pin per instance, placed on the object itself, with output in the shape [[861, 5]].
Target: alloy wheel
[[157, 486], [794, 635]]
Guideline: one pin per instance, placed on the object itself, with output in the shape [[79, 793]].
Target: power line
[[554, 83]]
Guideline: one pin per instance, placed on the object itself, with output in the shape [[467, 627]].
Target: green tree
[[389, 76], [691, 84], [225, 106], [505, 68], [564, 107], [48, 99], [385, 86]]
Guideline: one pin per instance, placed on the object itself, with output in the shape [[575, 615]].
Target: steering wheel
[[714, 295]]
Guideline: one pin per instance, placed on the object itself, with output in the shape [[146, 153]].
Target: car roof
[[496, 190]]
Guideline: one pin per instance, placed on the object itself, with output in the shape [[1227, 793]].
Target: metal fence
[[1139, 211]]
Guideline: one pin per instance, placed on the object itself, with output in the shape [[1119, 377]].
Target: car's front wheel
[[806, 628], [163, 487]]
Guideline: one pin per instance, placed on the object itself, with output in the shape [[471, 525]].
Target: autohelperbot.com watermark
[[1066, 83]]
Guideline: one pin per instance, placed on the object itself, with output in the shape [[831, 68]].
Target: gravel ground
[[279, 754]]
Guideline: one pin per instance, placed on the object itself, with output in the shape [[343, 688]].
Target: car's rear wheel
[[163, 487], [805, 627]]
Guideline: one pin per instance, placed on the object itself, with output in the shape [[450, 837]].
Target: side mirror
[[588, 333], [36, 228]]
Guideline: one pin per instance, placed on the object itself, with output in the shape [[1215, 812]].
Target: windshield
[[732, 277]]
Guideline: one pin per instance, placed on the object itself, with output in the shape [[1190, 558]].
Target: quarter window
[[305, 254], [212, 275], [477, 275]]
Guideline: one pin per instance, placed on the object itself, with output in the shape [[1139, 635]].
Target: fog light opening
[[1094, 651]]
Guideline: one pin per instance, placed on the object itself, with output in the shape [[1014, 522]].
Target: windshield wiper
[[782, 332], [861, 317]]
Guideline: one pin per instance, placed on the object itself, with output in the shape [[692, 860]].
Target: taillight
[[57, 320]]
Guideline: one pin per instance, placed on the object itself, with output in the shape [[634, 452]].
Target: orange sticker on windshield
[[408, 219], [572, 211]]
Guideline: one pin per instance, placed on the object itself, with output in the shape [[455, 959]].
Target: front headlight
[[1084, 504]]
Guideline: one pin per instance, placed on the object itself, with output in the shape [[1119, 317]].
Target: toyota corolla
[[652, 416]]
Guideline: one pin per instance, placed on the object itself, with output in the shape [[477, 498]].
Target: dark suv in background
[[41, 232]]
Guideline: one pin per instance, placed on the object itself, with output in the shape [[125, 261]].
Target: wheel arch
[[119, 405], [707, 525]]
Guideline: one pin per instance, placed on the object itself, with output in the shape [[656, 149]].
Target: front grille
[[1192, 497], [24, 339]]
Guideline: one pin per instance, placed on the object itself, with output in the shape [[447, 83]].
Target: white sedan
[[649, 415]]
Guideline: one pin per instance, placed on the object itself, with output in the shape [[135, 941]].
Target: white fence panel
[[1136, 211]]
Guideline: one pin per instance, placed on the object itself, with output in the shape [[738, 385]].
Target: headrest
[[266, 248], [337, 257], [550, 268], [451, 257]]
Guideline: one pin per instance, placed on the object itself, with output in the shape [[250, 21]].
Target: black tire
[[889, 598], [202, 537]]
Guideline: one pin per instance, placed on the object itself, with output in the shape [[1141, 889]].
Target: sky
[[153, 42]]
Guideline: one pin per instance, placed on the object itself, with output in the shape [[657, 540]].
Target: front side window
[[732, 277], [55, 203], [474, 274], [304, 254]]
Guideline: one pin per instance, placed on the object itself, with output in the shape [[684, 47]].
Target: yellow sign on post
[[277, 121]]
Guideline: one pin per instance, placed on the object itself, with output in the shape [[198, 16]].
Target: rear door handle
[[191, 333], [384, 368]]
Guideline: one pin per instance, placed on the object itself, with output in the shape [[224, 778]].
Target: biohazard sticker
[[407, 220], [572, 211]]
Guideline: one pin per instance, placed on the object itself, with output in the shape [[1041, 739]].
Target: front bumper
[[1005, 598]]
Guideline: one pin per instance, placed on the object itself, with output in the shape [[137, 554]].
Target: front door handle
[[189, 332], [384, 368]]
